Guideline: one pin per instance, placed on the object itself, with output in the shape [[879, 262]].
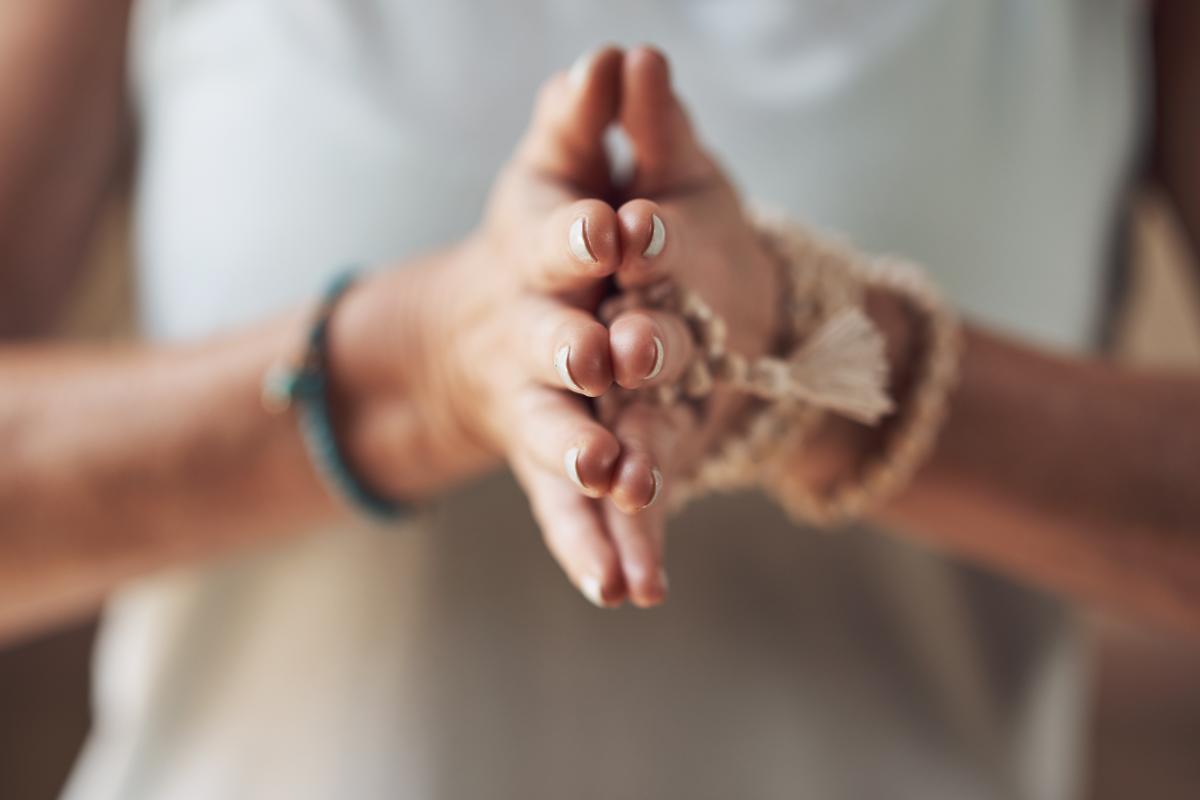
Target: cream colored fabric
[[450, 659]]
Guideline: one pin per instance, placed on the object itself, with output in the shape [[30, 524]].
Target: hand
[[498, 337], [704, 242]]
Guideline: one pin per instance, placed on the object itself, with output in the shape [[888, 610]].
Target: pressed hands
[[505, 347]]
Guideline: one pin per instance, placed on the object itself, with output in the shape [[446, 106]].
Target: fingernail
[[578, 242], [659, 357], [571, 467], [590, 586], [563, 368], [658, 237], [579, 70], [656, 475]]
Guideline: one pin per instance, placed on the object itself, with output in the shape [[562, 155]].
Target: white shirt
[[987, 139]]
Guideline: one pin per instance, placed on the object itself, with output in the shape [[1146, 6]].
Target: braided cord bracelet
[[914, 432], [831, 359]]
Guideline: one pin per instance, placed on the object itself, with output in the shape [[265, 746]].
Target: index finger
[[653, 243], [577, 247]]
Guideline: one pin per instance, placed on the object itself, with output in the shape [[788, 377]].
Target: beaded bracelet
[[830, 359], [306, 386]]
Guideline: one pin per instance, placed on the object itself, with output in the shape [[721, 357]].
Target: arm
[[117, 462], [1175, 158], [1080, 475], [1077, 475], [63, 129]]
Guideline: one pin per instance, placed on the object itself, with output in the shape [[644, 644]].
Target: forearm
[[1175, 158], [1075, 474], [64, 129], [1078, 475], [120, 462]]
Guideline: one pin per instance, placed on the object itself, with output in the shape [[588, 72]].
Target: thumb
[[574, 109], [666, 153]]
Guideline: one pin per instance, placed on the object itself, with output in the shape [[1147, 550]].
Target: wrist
[[371, 337], [393, 408], [840, 445]]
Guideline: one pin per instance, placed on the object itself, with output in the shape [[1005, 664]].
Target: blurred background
[[1146, 714]]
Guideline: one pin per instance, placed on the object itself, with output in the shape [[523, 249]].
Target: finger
[[555, 431], [574, 533], [579, 246], [639, 544], [649, 435], [635, 514], [649, 347], [665, 150], [567, 348], [650, 246], [573, 110]]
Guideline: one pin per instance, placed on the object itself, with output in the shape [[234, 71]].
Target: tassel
[[842, 368]]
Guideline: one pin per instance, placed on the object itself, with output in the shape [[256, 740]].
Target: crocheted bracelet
[[830, 358]]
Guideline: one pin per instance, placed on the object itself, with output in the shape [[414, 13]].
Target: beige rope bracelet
[[830, 358]]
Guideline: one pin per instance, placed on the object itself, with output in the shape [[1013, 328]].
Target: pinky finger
[[639, 541], [574, 532]]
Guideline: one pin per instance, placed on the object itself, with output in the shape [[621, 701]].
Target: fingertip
[[592, 239], [603, 581], [666, 152], [572, 530], [581, 70], [645, 579], [650, 590], [583, 360], [572, 112], [647, 79], [590, 461], [638, 350], [644, 242], [605, 587], [596, 66], [649, 63], [637, 483]]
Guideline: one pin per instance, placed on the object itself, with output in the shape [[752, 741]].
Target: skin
[[185, 421], [64, 132], [1071, 473], [440, 369], [710, 248]]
